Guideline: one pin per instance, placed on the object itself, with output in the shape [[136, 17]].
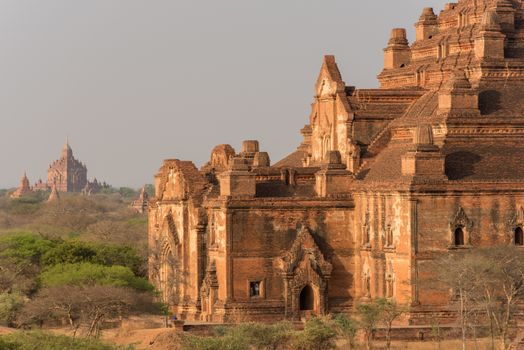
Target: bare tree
[[503, 288], [85, 307], [459, 273], [488, 284]]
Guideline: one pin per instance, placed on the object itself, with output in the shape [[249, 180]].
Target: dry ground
[[5, 330], [167, 339]]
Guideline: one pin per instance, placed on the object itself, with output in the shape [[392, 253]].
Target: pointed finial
[[67, 151], [428, 15]]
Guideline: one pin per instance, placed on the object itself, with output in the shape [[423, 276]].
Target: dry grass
[[480, 344]]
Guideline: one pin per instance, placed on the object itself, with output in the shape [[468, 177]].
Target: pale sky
[[132, 82]]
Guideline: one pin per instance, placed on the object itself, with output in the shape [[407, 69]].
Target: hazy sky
[[132, 82]]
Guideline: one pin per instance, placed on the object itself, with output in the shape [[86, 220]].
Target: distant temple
[[66, 174], [23, 189], [141, 204]]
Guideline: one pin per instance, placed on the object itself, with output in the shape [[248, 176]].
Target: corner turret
[[457, 96], [398, 52], [427, 26], [489, 43], [425, 161]]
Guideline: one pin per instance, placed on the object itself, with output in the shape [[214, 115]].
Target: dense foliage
[[86, 273]]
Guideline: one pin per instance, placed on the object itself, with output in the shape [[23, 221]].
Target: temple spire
[[67, 152]]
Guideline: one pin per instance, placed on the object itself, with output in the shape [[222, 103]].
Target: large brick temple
[[66, 174], [384, 181]]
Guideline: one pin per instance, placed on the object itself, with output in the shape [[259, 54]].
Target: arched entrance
[[519, 236], [306, 274], [459, 237], [307, 299]]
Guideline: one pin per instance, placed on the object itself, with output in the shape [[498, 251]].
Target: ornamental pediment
[[305, 254]]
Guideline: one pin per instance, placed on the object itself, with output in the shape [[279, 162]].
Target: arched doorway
[[459, 237], [307, 299], [519, 236]]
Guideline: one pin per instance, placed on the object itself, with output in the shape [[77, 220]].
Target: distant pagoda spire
[[54, 196], [67, 152]]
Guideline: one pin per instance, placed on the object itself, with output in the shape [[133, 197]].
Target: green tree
[[74, 251], [111, 254], [20, 256], [24, 247], [68, 252], [91, 274]]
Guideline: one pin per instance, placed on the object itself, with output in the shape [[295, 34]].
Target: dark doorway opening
[[519, 236], [459, 237], [307, 298]]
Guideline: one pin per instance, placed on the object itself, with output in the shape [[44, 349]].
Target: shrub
[[229, 342], [10, 303], [249, 336], [263, 336], [317, 335]]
